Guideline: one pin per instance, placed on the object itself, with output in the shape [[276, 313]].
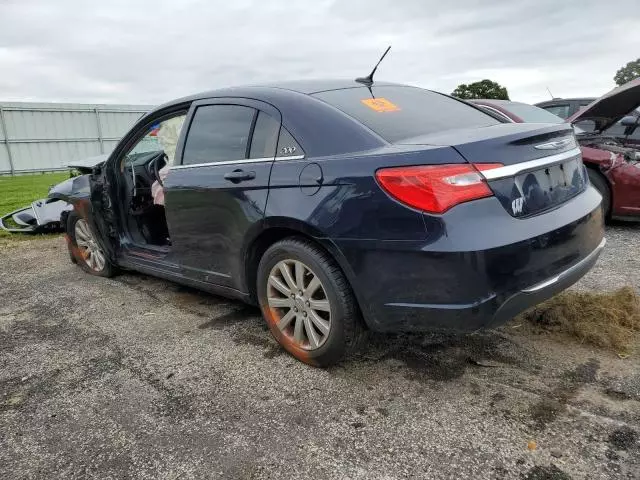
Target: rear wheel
[[308, 303], [600, 184], [84, 248]]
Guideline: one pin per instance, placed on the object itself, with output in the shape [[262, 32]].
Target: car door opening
[[144, 169]]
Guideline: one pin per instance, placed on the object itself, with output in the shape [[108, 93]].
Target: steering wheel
[[156, 168]]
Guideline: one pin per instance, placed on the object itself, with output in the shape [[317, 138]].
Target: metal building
[[38, 137]]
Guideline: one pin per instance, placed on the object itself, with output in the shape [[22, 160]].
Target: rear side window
[[218, 133], [287, 145], [265, 137], [561, 111], [398, 113], [531, 113]]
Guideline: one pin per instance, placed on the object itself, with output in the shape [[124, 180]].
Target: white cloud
[[154, 51]]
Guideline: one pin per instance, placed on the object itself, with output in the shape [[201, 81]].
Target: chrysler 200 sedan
[[337, 206]]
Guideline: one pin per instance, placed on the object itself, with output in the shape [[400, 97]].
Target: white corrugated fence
[[40, 137]]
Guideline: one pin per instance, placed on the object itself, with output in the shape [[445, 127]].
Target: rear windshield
[[398, 113], [532, 114]]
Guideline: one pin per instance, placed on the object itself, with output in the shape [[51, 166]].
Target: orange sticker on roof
[[380, 105]]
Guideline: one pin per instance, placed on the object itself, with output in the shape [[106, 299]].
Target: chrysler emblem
[[556, 144]]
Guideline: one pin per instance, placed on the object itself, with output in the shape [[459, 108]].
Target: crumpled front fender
[[75, 191], [72, 190]]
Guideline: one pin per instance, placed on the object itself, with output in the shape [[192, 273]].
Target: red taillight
[[436, 188]]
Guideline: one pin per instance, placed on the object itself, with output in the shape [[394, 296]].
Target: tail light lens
[[436, 188]]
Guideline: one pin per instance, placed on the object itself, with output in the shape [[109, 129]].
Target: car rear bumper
[[489, 312], [542, 291], [419, 286]]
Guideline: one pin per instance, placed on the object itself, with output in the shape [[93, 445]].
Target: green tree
[[483, 89], [627, 73]]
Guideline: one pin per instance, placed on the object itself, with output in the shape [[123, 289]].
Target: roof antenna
[[552, 97], [368, 80]]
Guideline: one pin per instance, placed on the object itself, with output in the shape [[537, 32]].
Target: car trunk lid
[[542, 164]]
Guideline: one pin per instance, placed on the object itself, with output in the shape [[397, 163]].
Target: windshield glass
[[531, 114], [398, 113]]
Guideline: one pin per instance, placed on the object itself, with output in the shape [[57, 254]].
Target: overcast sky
[[153, 51]]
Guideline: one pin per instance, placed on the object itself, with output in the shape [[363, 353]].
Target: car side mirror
[[629, 121]]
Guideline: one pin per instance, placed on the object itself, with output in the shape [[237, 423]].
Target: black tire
[[600, 183], [346, 327], [108, 270]]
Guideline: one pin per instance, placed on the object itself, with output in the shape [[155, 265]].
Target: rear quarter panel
[[348, 202], [348, 213]]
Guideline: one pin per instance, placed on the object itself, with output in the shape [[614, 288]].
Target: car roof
[[315, 86], [308, 119], [306, 87], [564, 100]]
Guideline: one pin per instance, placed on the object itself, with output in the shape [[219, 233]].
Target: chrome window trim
[[236, 162], [512, 170], [226, 162], [292, 157]]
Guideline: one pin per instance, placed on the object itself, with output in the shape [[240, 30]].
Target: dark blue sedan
[[338, 206]]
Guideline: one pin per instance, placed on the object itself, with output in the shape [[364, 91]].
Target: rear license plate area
[[536, 191]]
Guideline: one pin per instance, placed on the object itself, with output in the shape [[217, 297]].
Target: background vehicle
[[336, 205], [517, 112], [612, 164], [565, 107], [568, 107]]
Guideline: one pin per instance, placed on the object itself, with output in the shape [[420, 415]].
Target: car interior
[[146, 220], [143, 169]]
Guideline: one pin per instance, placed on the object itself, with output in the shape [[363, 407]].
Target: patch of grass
[[19, 191], [608, 320]]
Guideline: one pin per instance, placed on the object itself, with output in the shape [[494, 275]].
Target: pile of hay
[[610, 320]]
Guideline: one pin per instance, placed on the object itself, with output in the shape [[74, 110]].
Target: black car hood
[[611, 107], [85, 165]]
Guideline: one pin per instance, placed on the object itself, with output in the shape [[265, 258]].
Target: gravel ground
[[137, 377]]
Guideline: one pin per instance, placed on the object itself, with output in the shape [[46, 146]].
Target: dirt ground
[[137, 377]]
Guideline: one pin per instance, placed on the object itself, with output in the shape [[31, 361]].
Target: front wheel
[[308, 303], [85, 249]]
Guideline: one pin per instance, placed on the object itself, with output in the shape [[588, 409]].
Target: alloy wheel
[[90, 251], [299, 304]]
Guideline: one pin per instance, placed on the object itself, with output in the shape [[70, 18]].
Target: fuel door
[[311, 179]]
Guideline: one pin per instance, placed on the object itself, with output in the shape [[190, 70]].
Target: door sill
[[161, 250], [152, 253], [173, 273]]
